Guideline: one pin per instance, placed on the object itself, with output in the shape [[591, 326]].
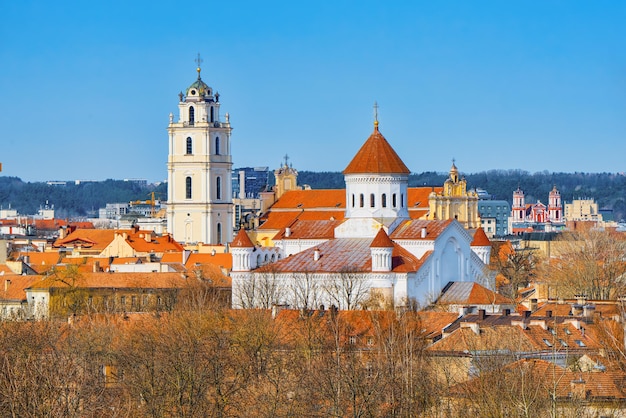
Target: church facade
[[199, 169], [367, 249]]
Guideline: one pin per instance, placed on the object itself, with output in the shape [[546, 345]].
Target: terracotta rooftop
[[480, 239], [342, 255], [381, 240], [333, 199], [309, 230], [12, 286], [376, 156], [279, 220], [224, 260], [118, 281], [242, 240], [470, 293], [412, 229]]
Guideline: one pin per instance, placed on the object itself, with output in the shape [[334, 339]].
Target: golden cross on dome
[[199, 62]]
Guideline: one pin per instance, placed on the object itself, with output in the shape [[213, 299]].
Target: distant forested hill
[[82, 200], [608, 189], [72, 200]]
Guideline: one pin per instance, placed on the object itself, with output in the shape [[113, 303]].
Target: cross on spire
[[286, 160], [376, 115], [199, 62]]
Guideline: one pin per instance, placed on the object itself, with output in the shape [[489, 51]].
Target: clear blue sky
[[86, 87]]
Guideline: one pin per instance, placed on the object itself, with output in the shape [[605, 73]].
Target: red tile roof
[[480, 239], [471, 293], [12, 286], [242, 240], [342, 255], [333, 199], [224, 260], [412, 229], [310, 230], [118, 281], [376, 156], [381, 240]]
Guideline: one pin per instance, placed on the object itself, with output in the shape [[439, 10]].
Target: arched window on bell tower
[[218, 188], [192, 115], [212, 117], [188, 188], [217, 145], [189, 150], [219, 233]]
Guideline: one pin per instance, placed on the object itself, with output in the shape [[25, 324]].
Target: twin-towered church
[[377, 241]]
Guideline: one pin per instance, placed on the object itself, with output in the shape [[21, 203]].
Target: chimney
[[527, 314], [316, 255], [533, 305], [287, 232], [423, 234], [549, 314], [7, 283], [588, 311], [148, 237], [506, 312], [482, 314]]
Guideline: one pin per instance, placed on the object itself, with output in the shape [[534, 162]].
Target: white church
[[375, 254]]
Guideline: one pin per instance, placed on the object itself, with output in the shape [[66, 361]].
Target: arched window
[[192, 115], [383, 200], [188, 188], [394, 203], [219, 233], [218, 188], [352, 199], [212, 117], [402, 200], [189, 146], [217, 145], [361, 200], [372, 201]]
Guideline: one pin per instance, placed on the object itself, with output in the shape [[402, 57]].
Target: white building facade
[[199, 169]]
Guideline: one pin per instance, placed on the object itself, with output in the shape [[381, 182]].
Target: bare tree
[[347, 289], [590, 262]]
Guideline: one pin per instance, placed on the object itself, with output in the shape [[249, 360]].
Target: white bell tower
[[199, 167]]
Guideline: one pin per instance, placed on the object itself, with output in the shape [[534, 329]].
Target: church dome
[[376, 156], [198, 88]]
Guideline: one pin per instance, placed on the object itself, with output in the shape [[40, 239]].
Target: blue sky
[[86, 87]]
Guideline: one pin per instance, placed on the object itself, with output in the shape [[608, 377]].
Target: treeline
[[607, 189], [216, 363], [83, 200], [73, 200]]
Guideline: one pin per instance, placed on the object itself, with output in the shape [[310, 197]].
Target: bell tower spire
[[199, 168]]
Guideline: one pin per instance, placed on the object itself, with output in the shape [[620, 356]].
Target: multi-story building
[[199, 204], [494, 217]]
